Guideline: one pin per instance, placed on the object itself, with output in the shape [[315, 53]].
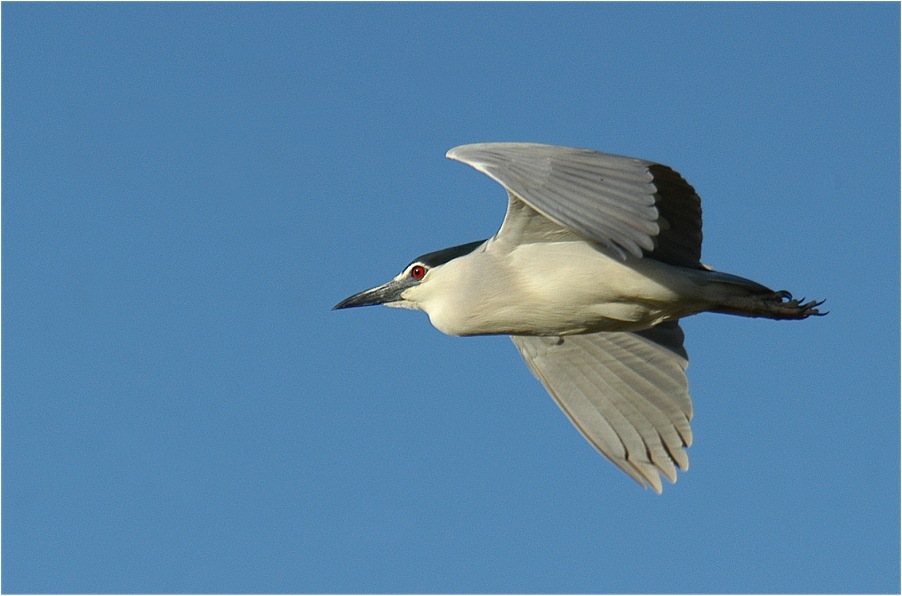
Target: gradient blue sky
[[189, 188]]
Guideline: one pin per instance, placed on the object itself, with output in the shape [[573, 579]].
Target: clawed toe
[[811, 308], [800, 308]]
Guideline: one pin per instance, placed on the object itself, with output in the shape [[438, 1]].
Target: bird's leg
[[778, 305]]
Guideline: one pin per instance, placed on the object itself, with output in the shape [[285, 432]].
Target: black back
[[680, 217]]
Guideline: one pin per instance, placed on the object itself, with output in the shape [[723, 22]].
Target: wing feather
[[632, 206], [627, 393]]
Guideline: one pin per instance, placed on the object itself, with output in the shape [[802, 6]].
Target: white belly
[[562, 288]]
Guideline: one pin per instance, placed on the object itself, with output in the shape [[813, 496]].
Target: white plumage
[[597, 259]]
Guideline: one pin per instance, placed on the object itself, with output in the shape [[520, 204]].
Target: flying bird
[[596, 261]]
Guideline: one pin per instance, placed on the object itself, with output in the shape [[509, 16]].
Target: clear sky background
[[189, 188]]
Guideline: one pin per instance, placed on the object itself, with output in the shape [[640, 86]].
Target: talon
[[811, 308]]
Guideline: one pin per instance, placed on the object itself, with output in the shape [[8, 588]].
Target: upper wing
[[627, 393], [634, 206]]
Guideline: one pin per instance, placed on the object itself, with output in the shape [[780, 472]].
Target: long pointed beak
[[384, 294]]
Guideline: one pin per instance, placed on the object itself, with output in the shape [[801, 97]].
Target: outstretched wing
[[626, 392], [633, 206]]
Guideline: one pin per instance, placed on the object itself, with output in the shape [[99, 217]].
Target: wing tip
[[467, 152], [454, 152], [459, 153]]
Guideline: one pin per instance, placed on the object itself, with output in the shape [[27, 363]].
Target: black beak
[[384, 294]]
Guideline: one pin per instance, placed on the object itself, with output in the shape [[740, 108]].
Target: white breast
[[556, 288]]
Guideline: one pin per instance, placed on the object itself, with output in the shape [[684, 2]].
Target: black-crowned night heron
[[596, 261]]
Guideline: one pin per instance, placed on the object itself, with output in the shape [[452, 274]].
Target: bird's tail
[[746, 298]]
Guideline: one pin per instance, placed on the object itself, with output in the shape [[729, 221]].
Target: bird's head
[[414, 285]]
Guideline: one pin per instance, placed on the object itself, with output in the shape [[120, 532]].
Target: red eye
[[417, 272]]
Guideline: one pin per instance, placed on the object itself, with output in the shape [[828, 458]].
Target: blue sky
[[189, 188]]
